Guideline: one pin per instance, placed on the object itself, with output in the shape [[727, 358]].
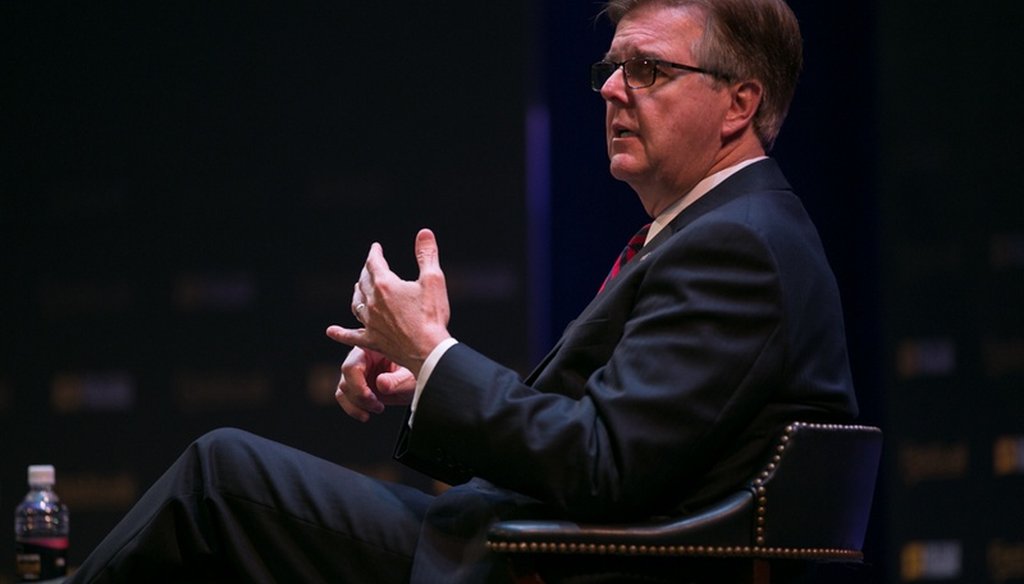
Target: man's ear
[[746, 99]]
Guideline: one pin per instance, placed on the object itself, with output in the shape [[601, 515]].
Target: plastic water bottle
[[41, 529]]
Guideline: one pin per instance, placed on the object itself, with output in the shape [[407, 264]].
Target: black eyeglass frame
[[601, 71]]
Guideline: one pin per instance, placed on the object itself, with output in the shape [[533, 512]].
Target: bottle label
[[41, 558]]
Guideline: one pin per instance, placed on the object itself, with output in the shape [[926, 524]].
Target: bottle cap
[[41, 474]]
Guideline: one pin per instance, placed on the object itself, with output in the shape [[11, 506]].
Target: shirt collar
[[698, 191]]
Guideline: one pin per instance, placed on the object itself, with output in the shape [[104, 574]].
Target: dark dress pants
[[238, 508]]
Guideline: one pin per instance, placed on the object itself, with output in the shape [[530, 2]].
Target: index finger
[[375, 262], [347, 336]]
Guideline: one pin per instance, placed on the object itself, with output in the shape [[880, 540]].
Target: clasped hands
[[402, 323]]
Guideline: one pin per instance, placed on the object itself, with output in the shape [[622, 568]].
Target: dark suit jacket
[[670, 387]]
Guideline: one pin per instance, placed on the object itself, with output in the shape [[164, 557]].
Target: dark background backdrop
[[188, 192]]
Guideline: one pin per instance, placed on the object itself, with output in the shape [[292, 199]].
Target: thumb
[[426, 251], [395, 381]]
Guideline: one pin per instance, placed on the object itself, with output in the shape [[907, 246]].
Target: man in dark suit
[[664, 394]]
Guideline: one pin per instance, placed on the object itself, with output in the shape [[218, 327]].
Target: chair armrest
[[725, 524]]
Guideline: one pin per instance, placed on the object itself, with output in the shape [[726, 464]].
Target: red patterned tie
[[635, 243]]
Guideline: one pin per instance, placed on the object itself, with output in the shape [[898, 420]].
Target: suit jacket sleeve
[[700, 348]]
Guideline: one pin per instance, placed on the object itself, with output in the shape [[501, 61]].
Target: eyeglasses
[[638, 72]]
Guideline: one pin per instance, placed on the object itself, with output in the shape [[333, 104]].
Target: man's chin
[[624, 169]]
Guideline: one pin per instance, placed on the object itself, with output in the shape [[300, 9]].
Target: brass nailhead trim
[[675, 550]]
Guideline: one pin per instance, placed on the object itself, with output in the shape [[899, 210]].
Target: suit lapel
[[760, 176]]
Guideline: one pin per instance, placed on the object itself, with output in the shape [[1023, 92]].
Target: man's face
[[665, 138]]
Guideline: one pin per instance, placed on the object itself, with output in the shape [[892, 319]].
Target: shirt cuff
[[426, 370]]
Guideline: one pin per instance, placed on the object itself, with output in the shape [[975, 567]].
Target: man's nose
[[614, 87]]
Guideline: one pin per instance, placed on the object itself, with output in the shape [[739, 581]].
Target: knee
[[229, 461], [225, 452], [223, 440]]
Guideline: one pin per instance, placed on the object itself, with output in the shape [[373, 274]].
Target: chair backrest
[[815, 495]]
